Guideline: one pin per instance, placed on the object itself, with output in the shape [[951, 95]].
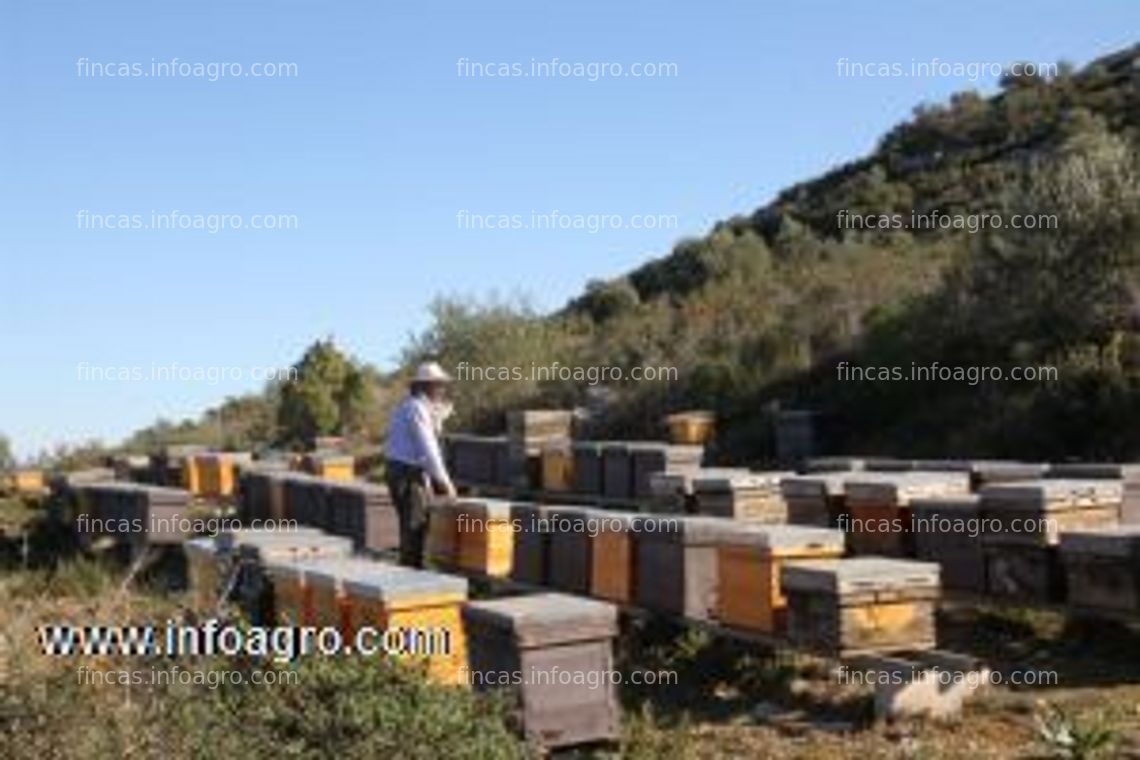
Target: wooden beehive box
[[477, 459], [294, 593], [1102, 568], [588, 467], [485, 536], [28, 482], [749, 496], [861, 605], [424, 607], [330, 466], [1024, 572], [691, 428], [570, 544], [672, 492], [527, 432], [750, 560], [247, 555], [365, 513], [531, 562], [442, 543], [1036, 512], [947, 531], [815, 465], [648, 457], [816, 499], [557, 466], [889, 464], [679, 554], [617, 471], [538, 637], [613, 557], [306, 500], [879, 508], [983, 472]]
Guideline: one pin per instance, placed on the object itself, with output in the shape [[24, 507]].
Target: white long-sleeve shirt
[[412, 438]]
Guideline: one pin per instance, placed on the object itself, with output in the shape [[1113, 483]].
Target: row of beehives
[[1047, 540], [132, 513], [619, 470], [781, 581], [355, 509], [309, 578]]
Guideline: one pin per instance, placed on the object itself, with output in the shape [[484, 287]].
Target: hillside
[[758, 313]]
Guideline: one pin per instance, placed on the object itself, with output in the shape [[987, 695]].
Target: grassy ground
[[728, 699]]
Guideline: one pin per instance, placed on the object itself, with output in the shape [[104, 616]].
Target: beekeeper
[[416, 469]]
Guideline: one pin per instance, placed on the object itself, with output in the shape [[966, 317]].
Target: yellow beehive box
[[414, 616], [192, 475], [331, 466], [442, 548], [613, 564], [325, 601], [750, 558], [28, 482], [485, 536], [691, 428], [557, 466]]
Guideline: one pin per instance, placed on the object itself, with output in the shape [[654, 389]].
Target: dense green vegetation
[[757, 314]]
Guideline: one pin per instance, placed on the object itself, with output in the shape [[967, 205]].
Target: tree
[[325, 395], [7, 460]]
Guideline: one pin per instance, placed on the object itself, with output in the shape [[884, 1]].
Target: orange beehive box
[[416, 616], [613, 562], [750, 558], [256, 555], [485, 536], [192, 475], [325, 594], [557, 466], [879, 507], [688, 428]]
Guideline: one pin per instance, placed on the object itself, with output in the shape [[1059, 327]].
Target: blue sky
[[377, 143]]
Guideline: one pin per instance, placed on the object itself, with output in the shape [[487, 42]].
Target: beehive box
[[442, 544], [216, 474], [28, 482], [588, 467], [1130, 501], [134, 514], [750, 560], [679, 554], [192, 474], [1023, 572], [648, 457], [843, 607], [691, 428], [1036, 512], [531, 562], [528, 430], [817, 500], [879, 508], [889, 464], [306, 500], [613, 557], [325, 590], [750, 496], [983, 473], [557, 466], [569, 566], [331, 466], [1092, 471], [485, 536], [244, 556], [617, 471], [672, 493], [417, 616], [523, 643], [365, 513], [947, 531], [1102, 568], [477, 460], [294, 592]]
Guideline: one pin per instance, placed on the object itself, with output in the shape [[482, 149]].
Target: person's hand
[[449, 491]]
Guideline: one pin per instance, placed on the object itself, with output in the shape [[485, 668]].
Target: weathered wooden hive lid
[[231, 539], [778, 537], [833, 464], [889, 464], [998, 467], [693, 531], [487, 509], [860, 574], [960, 503], [1093, 470], [545, 619], [397, 585], [1108, 541], [335, 571], [901, 487], [1047, 494], [721, 480], [816, 485], [203, 546]]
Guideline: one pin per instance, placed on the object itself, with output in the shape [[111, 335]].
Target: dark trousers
[[409, 489]]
